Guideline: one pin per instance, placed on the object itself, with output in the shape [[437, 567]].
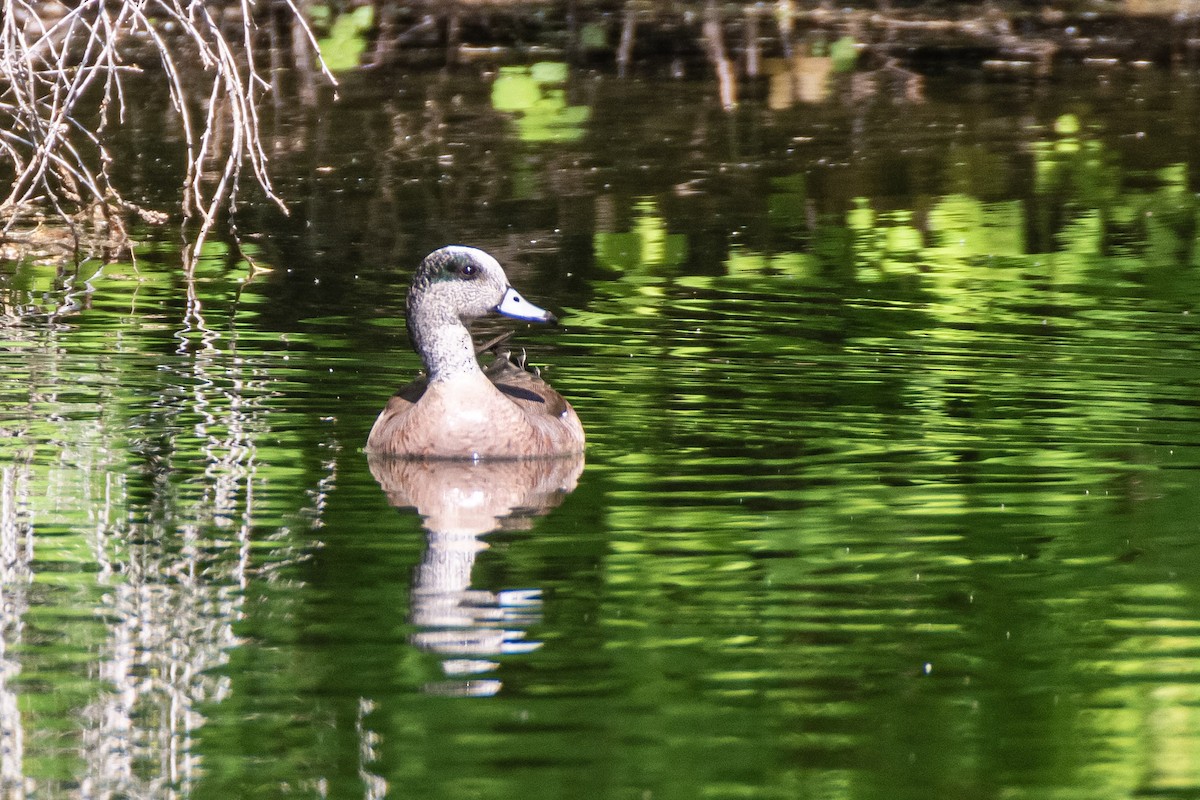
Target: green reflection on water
[[647, 244], [886, 497], [535, 95], [346, 41]]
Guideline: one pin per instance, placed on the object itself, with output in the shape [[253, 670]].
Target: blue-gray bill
[[513, 305]]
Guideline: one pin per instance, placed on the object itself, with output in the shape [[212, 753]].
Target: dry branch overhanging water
[[65, 73]]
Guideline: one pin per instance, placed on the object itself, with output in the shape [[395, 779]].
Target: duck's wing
[[411, 393], [525, 388], [391, 419]]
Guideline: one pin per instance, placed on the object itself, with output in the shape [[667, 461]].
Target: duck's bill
[[513, 305]]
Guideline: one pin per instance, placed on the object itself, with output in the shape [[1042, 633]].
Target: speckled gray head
[[469, 283], [453, 286]]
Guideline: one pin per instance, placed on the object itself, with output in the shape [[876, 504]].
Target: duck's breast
[[470, 417]]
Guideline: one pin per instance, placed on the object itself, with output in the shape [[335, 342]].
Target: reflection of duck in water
[[473, 451], [457, 410], [460, 501]]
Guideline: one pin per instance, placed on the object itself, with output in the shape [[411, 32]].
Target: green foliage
[[515, 89], [968, 228], [844, 52], [535, 97], [343, 47], [544, 72], [745, 263], [647, 245]]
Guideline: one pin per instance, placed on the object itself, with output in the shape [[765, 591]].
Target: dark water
[[891, 488]]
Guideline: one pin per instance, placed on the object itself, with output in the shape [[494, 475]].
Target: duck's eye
[[462, 269]]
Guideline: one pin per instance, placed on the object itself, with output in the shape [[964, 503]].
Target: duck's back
[[505, 412]]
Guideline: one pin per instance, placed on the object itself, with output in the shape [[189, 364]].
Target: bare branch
[[56, 58]]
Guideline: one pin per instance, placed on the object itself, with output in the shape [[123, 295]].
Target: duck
[[457, 409]]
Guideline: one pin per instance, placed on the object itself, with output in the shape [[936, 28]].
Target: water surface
[[890, 488]]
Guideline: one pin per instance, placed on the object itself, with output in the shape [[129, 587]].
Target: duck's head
[[465, 283]]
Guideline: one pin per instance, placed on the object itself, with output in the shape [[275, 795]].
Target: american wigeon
[[456, 409]]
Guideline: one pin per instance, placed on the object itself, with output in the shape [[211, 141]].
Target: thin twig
[[49, 70]]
